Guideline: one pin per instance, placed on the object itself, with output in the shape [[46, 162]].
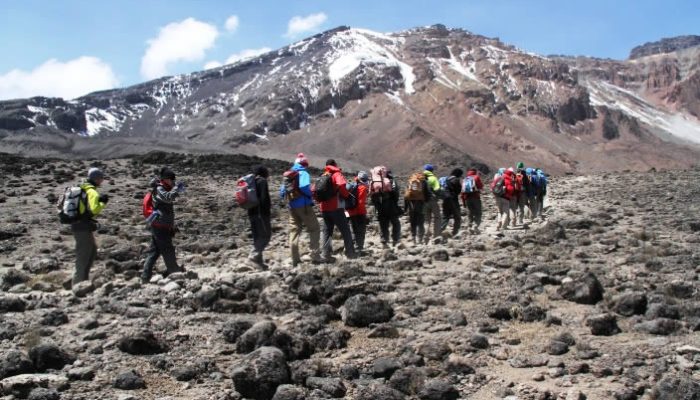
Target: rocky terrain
[[447, 94], [599, 301]]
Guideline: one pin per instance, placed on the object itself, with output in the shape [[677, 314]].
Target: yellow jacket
[[94, 205], [433, 182]]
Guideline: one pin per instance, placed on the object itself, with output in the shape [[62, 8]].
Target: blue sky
[[102, 44]]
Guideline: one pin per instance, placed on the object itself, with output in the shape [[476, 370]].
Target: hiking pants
[[299, 218], [522, 203], [539, 201], [513, 210], [474, 207], [432, 215], [359, 229], [532, 206], [451, 210], [503, 212], [416, 219], [261, 230], [384, 223], [85, 254], [331, 219], [161, 245]]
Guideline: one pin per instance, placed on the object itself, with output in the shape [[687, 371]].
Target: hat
[[520, 165], [501, 171], [95, 173], [457, 172], [332, 162], [301, 160], [261, 170], [363, 176], [428, 167], [167, 173], [511, 169]]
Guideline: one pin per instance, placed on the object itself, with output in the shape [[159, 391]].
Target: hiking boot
[[328, 260]]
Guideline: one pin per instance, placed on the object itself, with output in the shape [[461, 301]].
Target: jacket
[[88, 209], [454, 188], [479, 185], [387, 204], [163, 200], [339, 184], [362, 192], [265, 205], [509, 184], [306, 198], [433, 184]]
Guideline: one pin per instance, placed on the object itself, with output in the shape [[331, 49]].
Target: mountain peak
[[665, 45]]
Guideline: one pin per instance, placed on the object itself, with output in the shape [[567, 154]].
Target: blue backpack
[[351, 201], [469, 185], [444, 192]]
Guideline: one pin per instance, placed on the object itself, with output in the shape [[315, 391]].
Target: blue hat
[[428, 167]]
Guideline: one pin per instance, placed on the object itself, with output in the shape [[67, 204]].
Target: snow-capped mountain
[[429, 94]]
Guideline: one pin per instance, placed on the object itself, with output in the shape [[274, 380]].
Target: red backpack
[[246, 193], [148, 204]]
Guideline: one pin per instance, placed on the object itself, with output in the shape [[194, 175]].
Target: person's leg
[[341, 221], [295, 226], [395, 230], [314, 229], [151, 257], [471, 212], [447, 213], [164, 241], [420, 221], [412, 219], [437, 219], [457, 215], [360, 230], [256, 232], [477, 211], [522, 199], [513, 211], [327, 235], [384, 229], [85, 252]]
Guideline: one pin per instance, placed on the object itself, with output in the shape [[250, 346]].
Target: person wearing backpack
[[471, 198], [386, 204], [259, 217], [90, 205], [164, 195], [450, 201], [358, 214], [432, 206], [531, 192], [522, 188], [503, 189], [414, 202], [333, 210], [541, 192], [297, 191]]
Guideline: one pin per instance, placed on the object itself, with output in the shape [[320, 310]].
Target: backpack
[[469, 185], [246, 192], [69, 205], [444, 187], [498, 186], [324, 189], [380, 182], [352, 201], [414, 189], [518, 182], [290, 181], [543, 181], [147, 207]]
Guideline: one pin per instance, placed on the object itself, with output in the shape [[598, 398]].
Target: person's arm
[[305, 184], [479, 183], [164, 196], [264, 195], [94, 204], [341, 184]]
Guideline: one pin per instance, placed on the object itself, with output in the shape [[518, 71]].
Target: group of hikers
[[519, 192]]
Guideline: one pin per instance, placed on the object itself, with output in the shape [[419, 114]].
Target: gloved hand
[[180, 187], [104, 198]]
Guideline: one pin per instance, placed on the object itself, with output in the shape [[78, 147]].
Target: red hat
[[302, 160]]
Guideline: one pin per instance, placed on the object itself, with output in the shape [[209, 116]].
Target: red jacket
[[509, 183], [479, 185], [362, 192], [339, 184]]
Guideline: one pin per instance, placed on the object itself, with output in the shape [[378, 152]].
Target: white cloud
[[53, 78], [187, 40], [232, 23], [298, 25], [212, 64], [246, 54]]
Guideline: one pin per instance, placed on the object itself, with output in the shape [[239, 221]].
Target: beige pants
[[503, 213], [513, 210], [433, 216], [299, 218]]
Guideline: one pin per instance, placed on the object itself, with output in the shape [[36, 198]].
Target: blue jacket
[[304, 187]]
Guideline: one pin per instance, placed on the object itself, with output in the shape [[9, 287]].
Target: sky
[[69, 48]]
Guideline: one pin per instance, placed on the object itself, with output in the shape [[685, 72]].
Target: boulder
[[12, 304], [333, 386], [585, 289], [235, 327], [15, 363], [378, 391], [384, 367], [659, 326], [49, 356], [673, 387], [438, 390], [603, 325], [129, 380], [629, 304], [257, 336], [260, 373], [141, 343], [362, 310]]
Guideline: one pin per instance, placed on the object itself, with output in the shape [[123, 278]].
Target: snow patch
[[244, 120], [99, 121]]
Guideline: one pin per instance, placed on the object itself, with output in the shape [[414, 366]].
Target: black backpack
[[351, 202], [323, 188]]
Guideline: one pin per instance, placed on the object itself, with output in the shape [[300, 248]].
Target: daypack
[[246, 192], [380, 181], [69, 205], [498, 186], [290, 180], [543, 181], [323, 187], [445, 192], [414, 189], [518, 182], [147, 206], [352, 200], [469, 185]]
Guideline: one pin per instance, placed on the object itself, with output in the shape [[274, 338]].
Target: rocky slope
[[428, 94], [600, 301]]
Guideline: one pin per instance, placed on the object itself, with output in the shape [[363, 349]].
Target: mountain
[[429, 94]]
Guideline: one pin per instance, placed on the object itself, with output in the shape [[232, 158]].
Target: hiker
[[522, 187], [91, 205], [163, 228], [450, 201], [297, 191], [385, 198], [503, 190], [358, 214], [432, 207], [471, 198], [540, 192], [259, 216], [331, 190], [414, 200], [531, 192]]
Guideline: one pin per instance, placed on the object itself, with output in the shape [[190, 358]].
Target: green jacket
[[433, 182], [94, 205]]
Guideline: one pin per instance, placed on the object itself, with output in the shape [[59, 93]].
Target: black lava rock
[[583, 290], [49, 356], [362, 310], [603, 325], [260, 373], [130, 380], [141, 343]]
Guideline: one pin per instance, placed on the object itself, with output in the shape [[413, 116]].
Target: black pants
[[359, 229], [261, 229], [161, 245], [331, 219], [474, 207], [384, 222], [451, 210], [416, 218]]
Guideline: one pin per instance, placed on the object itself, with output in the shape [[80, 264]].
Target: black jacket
[[163, 201], [265, 205], [454, 188], [387, 204]]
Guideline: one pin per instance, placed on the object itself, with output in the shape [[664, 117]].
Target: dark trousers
[[331, 219], [261, 230], [474, 207], [384, 223], [416, 218], [85, 254], [161, 245], [451, 210], [359, 229]]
